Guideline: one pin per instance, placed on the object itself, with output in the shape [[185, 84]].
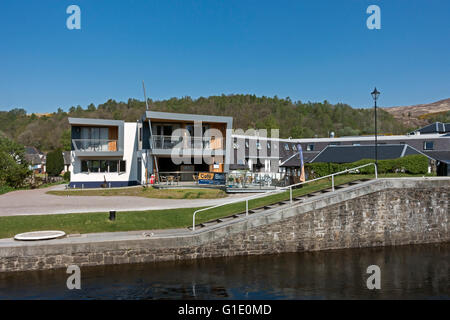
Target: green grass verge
[[6, 189], [148, 192], [154, 219]]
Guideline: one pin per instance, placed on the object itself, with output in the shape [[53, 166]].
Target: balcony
[[96, 147], [164, 144], [170, 142]]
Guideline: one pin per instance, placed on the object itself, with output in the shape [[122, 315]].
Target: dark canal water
[[407, 272]]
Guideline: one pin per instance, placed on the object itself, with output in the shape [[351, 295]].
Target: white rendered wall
[[129, 155]]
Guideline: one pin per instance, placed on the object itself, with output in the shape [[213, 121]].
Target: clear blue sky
[[307, 50]]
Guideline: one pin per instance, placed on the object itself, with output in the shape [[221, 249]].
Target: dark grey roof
[[34, 159], [347, 154], [32, 150], [438, 155], [437, 127]]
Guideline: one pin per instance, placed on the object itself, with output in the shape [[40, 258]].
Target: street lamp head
[[375, 94]]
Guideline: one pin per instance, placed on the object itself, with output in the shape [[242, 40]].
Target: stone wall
[[377, 213]]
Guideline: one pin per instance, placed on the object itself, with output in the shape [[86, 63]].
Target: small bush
[[66, 176]]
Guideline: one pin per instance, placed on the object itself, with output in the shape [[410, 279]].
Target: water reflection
[[408, 272]]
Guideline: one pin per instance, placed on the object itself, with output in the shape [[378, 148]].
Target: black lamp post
[[375, 95]]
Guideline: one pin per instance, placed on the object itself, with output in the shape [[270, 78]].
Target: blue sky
[[307, 50]]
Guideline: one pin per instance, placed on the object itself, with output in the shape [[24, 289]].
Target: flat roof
[[98, 122], [187, 117], [353, 138]]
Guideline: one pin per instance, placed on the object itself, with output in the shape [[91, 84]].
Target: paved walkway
[[29, 202]]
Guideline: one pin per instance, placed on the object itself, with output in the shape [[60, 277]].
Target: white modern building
[[202, 148]]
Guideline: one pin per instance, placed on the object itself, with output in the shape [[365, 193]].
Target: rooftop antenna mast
[[145, 95], [151, 134]]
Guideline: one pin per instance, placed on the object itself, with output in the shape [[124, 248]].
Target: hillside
[[421, 114], [295, 119]]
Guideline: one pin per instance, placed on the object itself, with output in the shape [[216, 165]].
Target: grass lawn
[[6, 189], [154, 219], [148, 192]]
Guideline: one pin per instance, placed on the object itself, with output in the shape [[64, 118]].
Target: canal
[[407, 272]]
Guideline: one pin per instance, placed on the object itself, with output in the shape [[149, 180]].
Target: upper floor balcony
[[97, 137], [95, 145], [165, 144]]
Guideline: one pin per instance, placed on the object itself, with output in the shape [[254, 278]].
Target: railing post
[[193, 222], [376, 171], [246, 207], [290, 194], [332, 182]]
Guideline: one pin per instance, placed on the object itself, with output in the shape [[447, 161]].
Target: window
[[268, 145], [356, 144], [122, 167], [95, 166], [246, 144], [294, 147], [334, 143], [103, 166], [112, 165], [310, 147], [235, 145], [140, 134], [258, 145], [84, 166], [428, 145], [286, 147]]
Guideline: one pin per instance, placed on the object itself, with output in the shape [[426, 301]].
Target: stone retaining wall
[[377, 213]]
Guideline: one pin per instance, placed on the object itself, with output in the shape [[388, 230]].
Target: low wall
[[380, 212]]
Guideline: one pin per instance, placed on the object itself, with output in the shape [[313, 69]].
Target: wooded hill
[[294, 119]]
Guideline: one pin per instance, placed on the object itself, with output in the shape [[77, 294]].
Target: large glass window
[[94, 139], [93, 166], [310, 147]]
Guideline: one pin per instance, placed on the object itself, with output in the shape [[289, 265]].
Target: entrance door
[[139, 170]]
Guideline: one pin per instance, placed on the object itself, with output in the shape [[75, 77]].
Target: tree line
[[294, 118]]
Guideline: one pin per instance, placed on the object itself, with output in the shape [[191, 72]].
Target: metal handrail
[[280, 190]]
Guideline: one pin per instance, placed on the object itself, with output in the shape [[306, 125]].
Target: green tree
[[13, 165], [66, 140], [55, 162], [91, 107]]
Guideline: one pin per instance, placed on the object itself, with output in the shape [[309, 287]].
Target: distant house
[[36, 159]]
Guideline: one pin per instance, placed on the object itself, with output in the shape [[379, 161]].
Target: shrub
[[413, 164], [13, 165], [66, 176], [55, 162]]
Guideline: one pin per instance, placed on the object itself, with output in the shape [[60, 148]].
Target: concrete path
[[29, 202]]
